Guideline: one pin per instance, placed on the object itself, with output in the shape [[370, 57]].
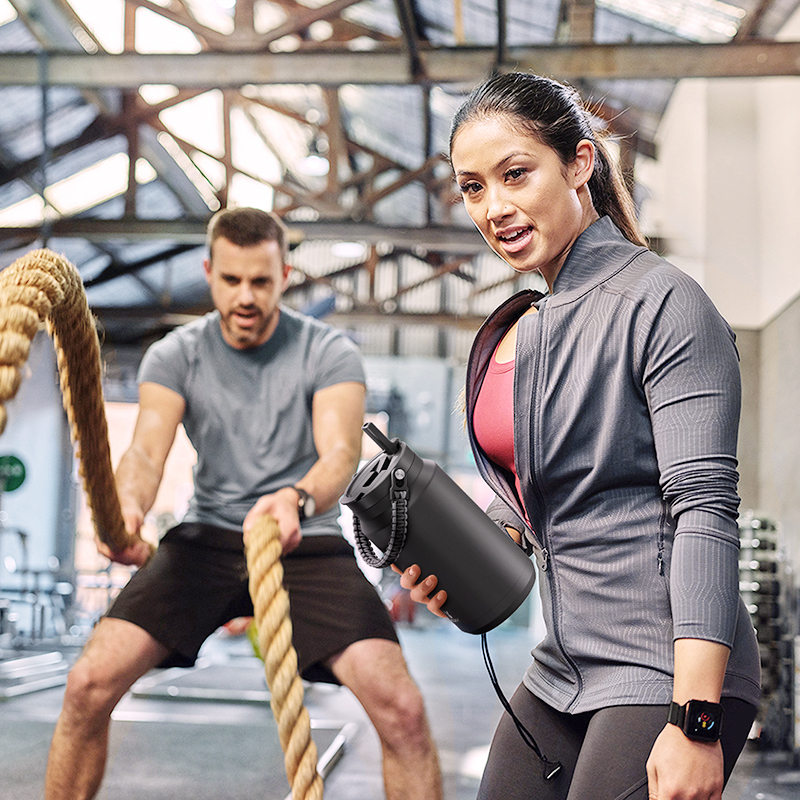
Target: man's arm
[[337, 415], [141, 467]]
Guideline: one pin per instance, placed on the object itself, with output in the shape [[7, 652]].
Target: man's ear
[[207, 269], [287, 271], [583, 165]]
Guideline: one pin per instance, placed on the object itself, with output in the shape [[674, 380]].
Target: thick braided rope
[[271, 604], [44, 287]]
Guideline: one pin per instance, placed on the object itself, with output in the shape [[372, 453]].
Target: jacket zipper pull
[[545, 560]]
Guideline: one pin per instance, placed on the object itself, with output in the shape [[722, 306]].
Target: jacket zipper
[[547, 568], [661, 525]]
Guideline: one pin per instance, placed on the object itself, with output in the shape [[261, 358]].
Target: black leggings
[[603, 753]]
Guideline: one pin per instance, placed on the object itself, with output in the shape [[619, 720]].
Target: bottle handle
[[397, 539]]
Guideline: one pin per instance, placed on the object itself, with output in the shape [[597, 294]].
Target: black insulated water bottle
[[415, 513]]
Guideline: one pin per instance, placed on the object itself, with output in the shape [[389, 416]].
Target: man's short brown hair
[[247, 226]]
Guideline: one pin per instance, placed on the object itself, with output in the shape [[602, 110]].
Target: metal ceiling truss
[[362, 302], [348, 193], [335, 200], [389, 66], [360, 177]]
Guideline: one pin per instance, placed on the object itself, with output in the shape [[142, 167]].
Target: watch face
[[703, 720], [307, 506]]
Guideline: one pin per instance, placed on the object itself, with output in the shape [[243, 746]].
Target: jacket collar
[[599, 252]]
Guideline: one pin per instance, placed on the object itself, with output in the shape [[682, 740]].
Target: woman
[[604, 415]]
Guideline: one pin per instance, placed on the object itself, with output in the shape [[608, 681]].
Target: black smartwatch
[[306, 505], [698, 719]]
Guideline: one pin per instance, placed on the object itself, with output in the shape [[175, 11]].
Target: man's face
[[247, 284]]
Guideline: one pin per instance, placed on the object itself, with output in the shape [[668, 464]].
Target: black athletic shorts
[[197, 581]]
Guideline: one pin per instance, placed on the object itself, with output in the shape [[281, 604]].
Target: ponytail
[[610, 195]]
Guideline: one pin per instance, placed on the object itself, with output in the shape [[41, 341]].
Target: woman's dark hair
[[246, 227], [555, 115]]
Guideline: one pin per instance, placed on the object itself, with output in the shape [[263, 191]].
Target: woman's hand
[[682, 769], [420, 592]]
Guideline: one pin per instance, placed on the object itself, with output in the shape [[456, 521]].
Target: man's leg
[[375, 671], [117, 655]]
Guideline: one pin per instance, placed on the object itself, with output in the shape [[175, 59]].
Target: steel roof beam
[[451, 239], [176, 314], [576, 22], [406, 15], [117, 269], [458, 65], [752, 20], [501, 48]]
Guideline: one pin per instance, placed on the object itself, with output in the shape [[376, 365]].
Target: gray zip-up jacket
[[626, 410]]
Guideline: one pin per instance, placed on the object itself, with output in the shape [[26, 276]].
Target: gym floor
[[208, 732]]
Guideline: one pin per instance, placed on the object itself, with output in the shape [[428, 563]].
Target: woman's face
[[528, 205]]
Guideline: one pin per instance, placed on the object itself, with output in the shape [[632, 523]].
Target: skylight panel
[[701, 20], [85, 189], [7, 12], [29, 211], [104, 18], [245, 191], [96, 184], [216, 14], [157, 34], [154, 33], [198, 121], [380, 15]]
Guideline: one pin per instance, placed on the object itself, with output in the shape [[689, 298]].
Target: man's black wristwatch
[[698, 719], [306, 505]]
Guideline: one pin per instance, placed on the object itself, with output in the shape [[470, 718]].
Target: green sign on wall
[[12, 473]]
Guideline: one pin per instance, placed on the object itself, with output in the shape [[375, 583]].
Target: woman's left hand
[[682, 769], [423, 590]]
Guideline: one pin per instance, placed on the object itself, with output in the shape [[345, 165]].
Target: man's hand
[[282, 505], [138, 551], [135, 554]]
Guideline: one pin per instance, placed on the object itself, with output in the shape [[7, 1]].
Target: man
[[273, 403]]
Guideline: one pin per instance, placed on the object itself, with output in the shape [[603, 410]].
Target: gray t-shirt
[[248, 412]]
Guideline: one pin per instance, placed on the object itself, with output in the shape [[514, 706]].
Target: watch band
[[306, 505], [677, 714], [700, 720]]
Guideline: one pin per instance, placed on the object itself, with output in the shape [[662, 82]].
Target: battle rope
[[271, 604], [44, 287]]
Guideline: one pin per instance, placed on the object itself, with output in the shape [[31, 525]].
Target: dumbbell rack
[[766, 585], [28, 660]]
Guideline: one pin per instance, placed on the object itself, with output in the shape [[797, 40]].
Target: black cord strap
[[551, 768], [397, 538]]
